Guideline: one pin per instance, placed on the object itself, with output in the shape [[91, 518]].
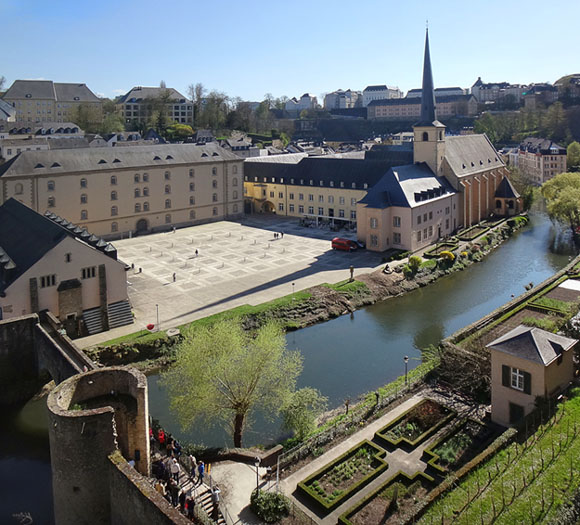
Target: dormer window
[[341, 184], [354, 185], [321, 183], [332, 184], [102, 161], [55, 165], [311, 182], [157, 157], [169, 157]]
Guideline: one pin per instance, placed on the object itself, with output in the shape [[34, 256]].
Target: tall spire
[[428, 113]]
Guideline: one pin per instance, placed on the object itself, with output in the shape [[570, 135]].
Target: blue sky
[[249, 48]]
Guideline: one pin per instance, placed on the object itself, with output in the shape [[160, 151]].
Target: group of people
[[278, 235]]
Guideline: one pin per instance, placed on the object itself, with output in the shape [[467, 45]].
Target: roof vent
[[39, 166], [116, 160], [102, 161], [215, 154], [55, 165], [481, 163], [204, 154], [77, 98], [463, 166], [472, 164], [169, 157], [157, 157]]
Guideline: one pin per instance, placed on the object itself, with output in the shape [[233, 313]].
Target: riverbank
[[152, 351]]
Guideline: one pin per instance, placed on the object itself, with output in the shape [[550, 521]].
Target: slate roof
[[40, 128], [407, 187], [382, 87], [532, 344], [6, 110], [47, 89], [506, 190], [542, 146], [471, 154], [74, 93], [105, 159], [139, 93], [26, 236]]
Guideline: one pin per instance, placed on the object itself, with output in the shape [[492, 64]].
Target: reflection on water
[[354, 354]]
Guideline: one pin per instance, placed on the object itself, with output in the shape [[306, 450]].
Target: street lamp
[[257, 464], [406, 359]]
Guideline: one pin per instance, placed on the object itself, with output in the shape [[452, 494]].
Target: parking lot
[[236, 263]]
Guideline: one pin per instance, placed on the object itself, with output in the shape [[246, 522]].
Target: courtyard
[[202, 270]]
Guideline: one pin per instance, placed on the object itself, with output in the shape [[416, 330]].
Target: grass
[[555, 304], [348, 286], [429, 264], [524, 483], [550, 324]]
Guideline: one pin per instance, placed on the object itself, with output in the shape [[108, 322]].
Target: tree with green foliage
[[177, 131], [223, 374], [414, 263], [88, 117], [562, 194], [573, 156], [300, 413]]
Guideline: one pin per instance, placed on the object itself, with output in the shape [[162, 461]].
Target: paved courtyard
[[236, 263]]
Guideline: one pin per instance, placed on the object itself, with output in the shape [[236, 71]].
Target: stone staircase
[[93, 322], [204, 499], [119, 314]]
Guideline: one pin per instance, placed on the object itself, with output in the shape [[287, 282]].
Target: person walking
[[193, 464], [190, 502], [175, 469], [200, 471], [196, 252], [182, 496], [174, 490]]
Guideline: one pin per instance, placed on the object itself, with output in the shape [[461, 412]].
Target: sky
[[253, 47]]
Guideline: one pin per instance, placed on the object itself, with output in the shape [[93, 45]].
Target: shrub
[[269, 506], [414, 262], [447, 256]]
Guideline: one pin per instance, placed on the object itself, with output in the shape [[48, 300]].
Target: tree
[[112, 123], [562, 194], [88, 117], [300, 413], [222, 374], [573, 156], [177, 131], [2, 81]]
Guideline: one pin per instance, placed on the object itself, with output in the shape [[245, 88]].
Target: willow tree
[[562, 194], [222, 374]]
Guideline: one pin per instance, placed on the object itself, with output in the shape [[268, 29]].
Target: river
[[343, 358]]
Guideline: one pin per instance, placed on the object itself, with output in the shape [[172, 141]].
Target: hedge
[[467, 235], [303, 485], [401, 476], [382, 433], [438, 248]]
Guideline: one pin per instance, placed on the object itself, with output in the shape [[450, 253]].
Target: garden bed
[[416, 424], [348, 473], [391, 503], [472, 233], [459, 446], [440, 247]]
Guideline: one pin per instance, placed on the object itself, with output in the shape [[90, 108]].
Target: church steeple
[[428, 112]]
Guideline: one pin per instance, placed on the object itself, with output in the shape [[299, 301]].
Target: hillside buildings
[[343, 99], [538, 159], [496, 91], [409, 108], [48, 263], [139, 105], [380, 92], [129, 190], [45, 100], [305, 102]]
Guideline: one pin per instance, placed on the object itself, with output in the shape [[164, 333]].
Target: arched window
[[192, 186], [137, 192], [192, 214], [167, 203], [84, 198], [191, 200], [214, 197], [18, 189], [83, 183], [234, 169], [114, 211], [235, 208], [425, 136], [167, 175], [145, 191], [114, 182], [168, 219], [113, 195], [235, 181], [498, 204], [84, 215], [215, 211], [440, 135], [235, 194], [114, 227], [191, 172], [167, 188], [510, 205], [214, 171], [136, 177], [137, 207], [51, 202], [145, 206], [145, 177], [50, 185], [214, 183]]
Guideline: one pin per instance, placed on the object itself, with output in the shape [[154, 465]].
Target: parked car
[[339, 243]]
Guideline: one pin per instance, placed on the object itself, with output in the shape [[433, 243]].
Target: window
[[374, 223], [430, 215], [51, 202], [192, 214], [291, 208], [235, 182], [374, 240], [145, 177], [137, 207], [234, 171], [167, 175], [89, 272], [114, 227], [397, 222], [145, 191], [145, 206], [167, 188], [320, 210], [446, 224], [67, 257], [341, 200], [353, 214], [330, 199], [83, 183], [310, 197], [136, 177], [167, 203], [301, 196], [214, 197], [280, 195], [419, 236], [215, 211], [214, 171], [321, 198], [271, 194], [396, 238], [84, 198], [424, 217], [300, 208], [18, 188], [280, 206], [168, 219], [311, 210], [50, 185], [84, 215], [425, 136], [341, 213], [517, 379], [48, 280], [191, 172], [353, 202], [113, 195], [235, 194], [291, 196], [215, 185], [191, 200], [114, 211], [430, 231], [425, 234], [447, 210]]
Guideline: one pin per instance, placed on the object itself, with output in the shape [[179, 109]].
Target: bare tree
[[2, 81]]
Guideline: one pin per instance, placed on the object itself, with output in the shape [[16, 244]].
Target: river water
[[343, 358]]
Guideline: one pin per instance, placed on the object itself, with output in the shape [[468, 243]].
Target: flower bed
[[416, 424], [348, 473], [440, 247], [459, 446], [472, 233], [390, 502]]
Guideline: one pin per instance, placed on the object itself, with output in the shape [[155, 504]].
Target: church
[[454, 182]]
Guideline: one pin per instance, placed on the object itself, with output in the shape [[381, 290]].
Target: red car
[[338, 243]]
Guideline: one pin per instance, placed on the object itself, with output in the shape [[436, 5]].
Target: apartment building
[[341, 99], [305, 102], [496, 91], [138, 105], [380, 92], [409, 108], [539, 159], [48, 101], [122, 191]]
